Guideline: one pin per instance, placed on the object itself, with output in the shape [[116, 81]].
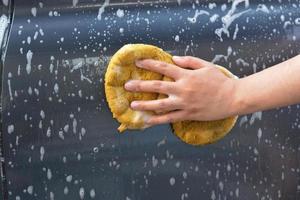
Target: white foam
[[48, 133], [9, 86], [29, 90], [35, 35], [41, 124], [30, 189], [120, 13], [83, 131], [66, 190], [255, 151], [262, 8], [42, 153], [286, 24], [77, 66], [17, 140], [61, 135], [69, 178], [41, 32], [223, 7], [92, 193], [141, 116], [75, 2], [242, 62], [154, 161], [196, 15], [230, 17], [259, 134], [235, 31], [172, 181], [212, 5], [5, 2], [66, 128], [74, 125], [29, 58], [101, 9], [3, 25], [28, 40], [243, 120], [82, 77], [10, 129], [162, 142], [255, 116], [218, 57], [56, 88], [221, 185], [33, 11], [36, 91], [51, 67], [81, 193], [49, 174], [213, 18]]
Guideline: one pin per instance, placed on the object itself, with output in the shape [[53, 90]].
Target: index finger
[[164, 68]]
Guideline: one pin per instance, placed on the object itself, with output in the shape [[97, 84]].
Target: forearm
[[274, 87]]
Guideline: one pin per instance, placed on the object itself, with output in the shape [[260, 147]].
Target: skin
[[194, 96]]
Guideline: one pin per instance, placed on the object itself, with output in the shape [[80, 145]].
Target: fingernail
[[133, 104], [139, 63], [176, 58], [128, 85]]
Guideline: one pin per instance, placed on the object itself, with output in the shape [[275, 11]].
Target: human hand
[[200, 91]]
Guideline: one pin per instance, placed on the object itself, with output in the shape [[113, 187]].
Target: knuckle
[[158, 64], [141, 106], [161, 65], [181, 102], [138, 86], [161, 104], [188, 58], [152, 121], [157, 85], [168, 119], [187, 93]]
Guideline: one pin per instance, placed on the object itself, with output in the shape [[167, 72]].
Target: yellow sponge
[[122, 68]]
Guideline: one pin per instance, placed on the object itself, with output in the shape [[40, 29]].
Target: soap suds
[[33, 11], [75, 2], [218, 57], [120, 13], [3, 25], [196, 15], [101, 9], [230, 17], [29, 58], [262, 8]]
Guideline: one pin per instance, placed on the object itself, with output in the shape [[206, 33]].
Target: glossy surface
[[60, 141]]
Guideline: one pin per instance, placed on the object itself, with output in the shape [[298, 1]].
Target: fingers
[[166, 69], [155, 86], [166, 104], [190, 62], [174, 116]]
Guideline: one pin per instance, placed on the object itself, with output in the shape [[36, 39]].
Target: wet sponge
[[122, 68]]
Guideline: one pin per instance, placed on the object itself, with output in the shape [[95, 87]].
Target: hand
[[200, 91]]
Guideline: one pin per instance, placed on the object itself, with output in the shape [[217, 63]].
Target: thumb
[[190, 62]]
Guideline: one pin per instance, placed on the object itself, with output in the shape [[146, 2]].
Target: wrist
[[239, 105]]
